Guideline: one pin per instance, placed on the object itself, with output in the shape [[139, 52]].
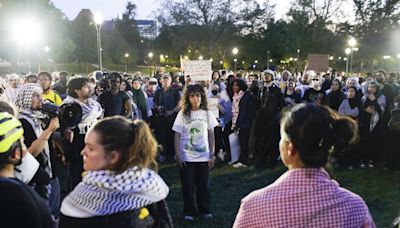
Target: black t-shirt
[[113, 104], [292, 99], [21, 207], [60, 89], [30, 137], [40, 177], [312, 95]]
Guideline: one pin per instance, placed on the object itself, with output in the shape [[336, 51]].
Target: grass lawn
[[379, 188]]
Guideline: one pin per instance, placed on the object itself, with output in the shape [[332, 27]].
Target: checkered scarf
[[24, 98], [105, 192], [91, 110], [375, 115], [24, 104]]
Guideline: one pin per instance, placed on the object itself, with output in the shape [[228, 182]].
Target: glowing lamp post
[[26, 32], [347, 51], [352, 43], [235, 51], [150, 55], [126, 64], [98, 21]]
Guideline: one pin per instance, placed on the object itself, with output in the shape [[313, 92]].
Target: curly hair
[[185, 103]]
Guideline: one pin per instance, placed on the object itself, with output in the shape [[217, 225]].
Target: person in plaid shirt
[[305, 196]]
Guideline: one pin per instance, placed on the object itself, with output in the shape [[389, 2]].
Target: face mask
[[214, 92], [315, 84]]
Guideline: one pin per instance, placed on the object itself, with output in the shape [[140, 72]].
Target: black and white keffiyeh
[[24, 98], [91, 110], [106, 192], [24, 105], [375, 115]]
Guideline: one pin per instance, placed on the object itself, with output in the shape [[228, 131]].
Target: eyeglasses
[[35, 95]]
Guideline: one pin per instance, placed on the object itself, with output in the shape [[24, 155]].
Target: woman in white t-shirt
[[194, 151]]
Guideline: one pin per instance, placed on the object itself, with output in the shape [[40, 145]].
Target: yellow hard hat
[[10, 131]]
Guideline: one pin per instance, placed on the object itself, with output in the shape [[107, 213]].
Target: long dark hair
[[316, 130], [241, 84], [185, 103], [378, 89], [128, 86]]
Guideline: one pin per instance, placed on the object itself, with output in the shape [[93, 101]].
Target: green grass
[[379, 188]]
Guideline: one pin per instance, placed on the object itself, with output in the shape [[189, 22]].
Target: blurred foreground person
[[20, 206], [120, 181], [305, 196]]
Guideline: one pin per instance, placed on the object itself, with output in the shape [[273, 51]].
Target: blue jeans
[[54, 198]]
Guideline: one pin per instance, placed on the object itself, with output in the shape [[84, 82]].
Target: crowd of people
[[102, 171]]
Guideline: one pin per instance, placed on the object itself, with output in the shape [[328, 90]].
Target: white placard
[[213, 106], [199, 70]]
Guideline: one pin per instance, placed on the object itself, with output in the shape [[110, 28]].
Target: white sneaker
[[206, 216], [239, 165], [188, 218], [232, 162]]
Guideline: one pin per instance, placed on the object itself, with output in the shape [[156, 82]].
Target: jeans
[[54, 199]]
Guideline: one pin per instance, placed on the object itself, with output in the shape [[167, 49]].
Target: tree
[[322, 10], [83, 34], [252, 19], [129, 32], [376, 21], [211, 16]]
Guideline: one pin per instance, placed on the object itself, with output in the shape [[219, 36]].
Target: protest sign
[[198, 70]]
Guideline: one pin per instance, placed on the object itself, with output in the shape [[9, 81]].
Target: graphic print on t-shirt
[[196, 136]]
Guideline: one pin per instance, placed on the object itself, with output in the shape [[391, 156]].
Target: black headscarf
[[355, 101]]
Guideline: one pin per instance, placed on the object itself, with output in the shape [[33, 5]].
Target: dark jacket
[[246, 111], [271, 101], [159, 217], [21, 207]]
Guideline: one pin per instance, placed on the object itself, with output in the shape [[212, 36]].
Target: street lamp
[[347, 51], [200, 57], [126, 64], [352, 43], [25, 31], [298, 60], [235, 51], [98, 21], [150, 55]]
